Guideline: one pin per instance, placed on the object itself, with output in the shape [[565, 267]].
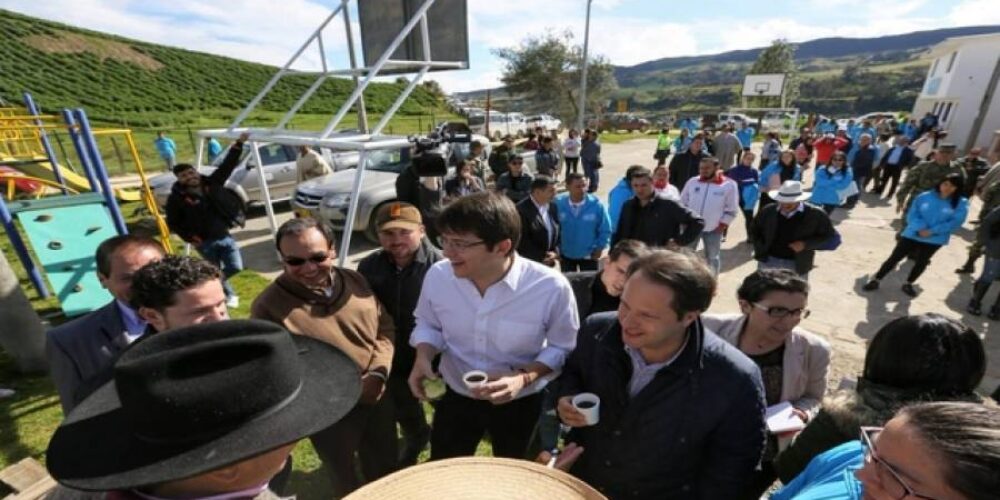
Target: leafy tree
[[545, 70], [778, 58]]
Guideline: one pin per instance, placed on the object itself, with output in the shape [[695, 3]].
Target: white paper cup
[[589, 405], [475, 379]]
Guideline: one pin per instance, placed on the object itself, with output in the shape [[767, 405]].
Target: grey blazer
[[806, 361], [79, 349]]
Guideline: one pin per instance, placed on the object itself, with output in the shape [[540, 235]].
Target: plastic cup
[[434, 388], [589, 405], [475, 379]]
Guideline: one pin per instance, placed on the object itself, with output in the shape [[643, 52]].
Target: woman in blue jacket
[[928, 450], [831, 181], [776, 173], [933, 216]]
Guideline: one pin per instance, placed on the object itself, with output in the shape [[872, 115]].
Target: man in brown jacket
[[312, 297]]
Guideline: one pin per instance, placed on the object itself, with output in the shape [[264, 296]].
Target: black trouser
[[829, 209], [748, 221], [409, 411], [368, 431], [460, 422], [889, 172], [905, 247], [573, 265], [571, 164]]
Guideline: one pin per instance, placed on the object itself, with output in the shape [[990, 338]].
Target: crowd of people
[[570, 330]]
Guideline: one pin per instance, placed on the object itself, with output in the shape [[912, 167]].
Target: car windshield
[[389, 160], [477, 119]]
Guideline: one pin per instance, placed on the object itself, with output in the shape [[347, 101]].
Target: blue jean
[[712, 246], [224, 253], [593, 174], [776, 263]]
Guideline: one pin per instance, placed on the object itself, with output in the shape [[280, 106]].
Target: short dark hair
[[574, 176], [927, 356], [180, 167], [490, 216], [682, 272], [639, 173], [710, 159], [760, 283], [631, 170], [515, 159], [475, 144], [156, 285], [964, 435], [632, 249], [541, 182], [300, 225], [546, 139], [110, 246]]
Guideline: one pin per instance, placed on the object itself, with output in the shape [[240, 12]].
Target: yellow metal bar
[[147, 195], [109, 131], [30, 117]]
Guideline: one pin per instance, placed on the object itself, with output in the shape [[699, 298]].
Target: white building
[[961, 89]]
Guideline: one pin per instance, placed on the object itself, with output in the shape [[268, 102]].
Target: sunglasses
[[318, 258]]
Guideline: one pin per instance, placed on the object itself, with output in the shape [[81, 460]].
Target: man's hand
[[925, 233], [596, 254], [569, 414], [550, 259], [372, 388], [501, 390], [721, 228], [567, 457], [797, 246], [421, 369]]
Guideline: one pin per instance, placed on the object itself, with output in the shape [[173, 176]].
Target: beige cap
[[398, 214]]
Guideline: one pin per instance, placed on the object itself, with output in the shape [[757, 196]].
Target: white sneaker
[[233, 302], [6, 393]]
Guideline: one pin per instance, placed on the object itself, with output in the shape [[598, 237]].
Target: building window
[[937, 106], [951, 61], [934, 66], [947, 111]]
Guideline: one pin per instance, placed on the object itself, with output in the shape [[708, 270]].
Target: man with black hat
[[312, 297], [396, 273], [177, 423], [927, 175]]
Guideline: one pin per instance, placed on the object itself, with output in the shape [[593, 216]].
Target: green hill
[[121, 80]]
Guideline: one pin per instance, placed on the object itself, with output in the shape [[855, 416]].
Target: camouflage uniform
[[990, 194], [926, 175]]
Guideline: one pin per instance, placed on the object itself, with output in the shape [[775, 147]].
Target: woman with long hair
[[933, 216], [831, 183], [784, 168]]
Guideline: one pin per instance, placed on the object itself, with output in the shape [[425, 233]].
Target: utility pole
[[582, 106]]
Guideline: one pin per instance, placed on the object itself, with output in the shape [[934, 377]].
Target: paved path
[[841, 312]]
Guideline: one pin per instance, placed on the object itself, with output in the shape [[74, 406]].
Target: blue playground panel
[[64, 240]]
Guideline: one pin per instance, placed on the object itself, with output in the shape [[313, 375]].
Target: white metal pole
[[264, 189], [362, 109], [352, 208], [582, 109], [201, 151]]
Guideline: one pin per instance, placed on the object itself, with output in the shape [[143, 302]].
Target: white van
[[499, 125]]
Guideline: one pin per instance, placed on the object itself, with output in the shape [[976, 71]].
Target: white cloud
[[975, 13]]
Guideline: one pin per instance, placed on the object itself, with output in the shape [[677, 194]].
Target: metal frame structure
[[361, 142]]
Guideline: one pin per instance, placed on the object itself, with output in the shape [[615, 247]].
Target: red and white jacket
[[716, 200]]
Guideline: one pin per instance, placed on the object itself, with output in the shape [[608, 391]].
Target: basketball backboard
[[765, 85]]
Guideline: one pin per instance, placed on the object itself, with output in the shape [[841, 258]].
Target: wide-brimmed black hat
[[195, 399]]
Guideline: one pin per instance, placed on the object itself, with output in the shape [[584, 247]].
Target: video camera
[[428, 155]]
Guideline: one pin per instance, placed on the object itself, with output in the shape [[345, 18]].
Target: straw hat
[[482, 478]]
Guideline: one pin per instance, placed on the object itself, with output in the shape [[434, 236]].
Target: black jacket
[[535, 240], [591, 296], [814, 230], [398, 291], [906, 159], [695, 432], [657, 223], [198, 218], [684, 166]]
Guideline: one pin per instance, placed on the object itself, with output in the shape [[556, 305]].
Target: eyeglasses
[[782, 312], [461, 246], [318, 258], [888, 478]]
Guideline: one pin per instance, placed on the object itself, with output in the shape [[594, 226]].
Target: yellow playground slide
[[40, 167]]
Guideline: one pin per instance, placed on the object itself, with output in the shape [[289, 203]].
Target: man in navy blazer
[[539, 223], [85, 346]]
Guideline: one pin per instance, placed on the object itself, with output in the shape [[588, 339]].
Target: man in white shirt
[[487, 308], [310, 165], [715, 198]]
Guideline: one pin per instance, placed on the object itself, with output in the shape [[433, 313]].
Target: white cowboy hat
[[791, 192]]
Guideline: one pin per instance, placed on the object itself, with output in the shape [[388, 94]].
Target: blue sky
[[625, 31]]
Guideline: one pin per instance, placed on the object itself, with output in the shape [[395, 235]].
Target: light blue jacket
[[829, 476], [827, 186], [681, 144], [166, 147], [583, 233], [746, 135], [773, 169], [617, 197], [214, 148], [930, 211]]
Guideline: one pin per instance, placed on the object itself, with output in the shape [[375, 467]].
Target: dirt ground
[[841, 312]]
